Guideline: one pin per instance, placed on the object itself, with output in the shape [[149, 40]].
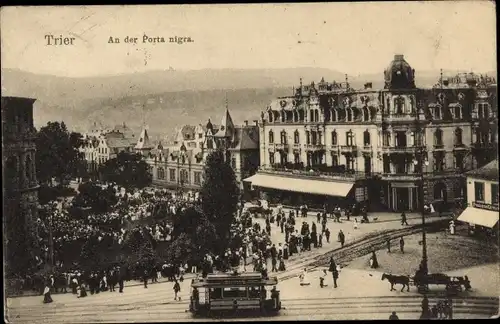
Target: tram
[[234, 292]]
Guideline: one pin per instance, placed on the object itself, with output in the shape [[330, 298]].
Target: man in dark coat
[[121, 278], [335, 274], [341, 238], [402, 245], [327, 235]]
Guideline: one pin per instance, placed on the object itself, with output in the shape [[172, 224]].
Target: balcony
[[439, 147], [314, 147], [334, 147], [410, 176], [400, 117], [479, 145], [460, 147], [366, 148], [399, 149], [281, 147], [349, 149], [314, 172], [296, 146]]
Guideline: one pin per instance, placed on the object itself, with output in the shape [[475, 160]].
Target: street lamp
[[422, 161]]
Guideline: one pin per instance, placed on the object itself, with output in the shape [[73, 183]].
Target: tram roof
[[235, 280]]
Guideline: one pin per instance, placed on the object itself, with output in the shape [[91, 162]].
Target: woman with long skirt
[[46, 294]]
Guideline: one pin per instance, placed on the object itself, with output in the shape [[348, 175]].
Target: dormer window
[[271, 117], [366, 114], [437, 112]]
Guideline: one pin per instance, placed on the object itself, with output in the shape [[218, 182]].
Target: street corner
[[485, 279]]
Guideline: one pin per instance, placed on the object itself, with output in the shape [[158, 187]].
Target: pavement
[[360, 295]]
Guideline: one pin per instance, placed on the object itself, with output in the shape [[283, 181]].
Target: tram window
[[253, 292], [216, 293], [235, 292]]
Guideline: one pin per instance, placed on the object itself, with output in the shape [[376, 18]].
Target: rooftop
[[487, 172]]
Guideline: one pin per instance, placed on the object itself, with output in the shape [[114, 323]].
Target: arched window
[[458, 136], [334, 138], [350, 138], [366, 138], [399, 105], [349, 114], [271, 137], [366, 114], [283, 137], [283, 116], [311, 115], [295, 116], [308, 138], [271, 117], [333, 115], [438, 137], [316, 115], [28, 169], [440, 191], [296, 137]]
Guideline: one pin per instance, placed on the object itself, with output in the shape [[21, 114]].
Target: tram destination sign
[[485, 206], [236, 282]]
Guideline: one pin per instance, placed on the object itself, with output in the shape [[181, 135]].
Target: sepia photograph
[[250, 162]]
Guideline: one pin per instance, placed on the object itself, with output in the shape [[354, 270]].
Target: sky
[[354, 38]]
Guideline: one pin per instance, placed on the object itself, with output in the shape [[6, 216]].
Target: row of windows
[[439, 164], [183, 175], [14, 171], [316, 159], [479, 192], [314, 138], [333, 115]]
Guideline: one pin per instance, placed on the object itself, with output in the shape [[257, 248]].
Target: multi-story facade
[[102, 144], [181, 165], [482, 197], [370, 144], [20, 185]]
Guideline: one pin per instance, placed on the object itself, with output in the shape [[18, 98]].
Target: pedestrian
[[282, 267], [320, 240], [145, 278], [322, 279], [327, 235], [373, 261], [274, 262], [177, 289], [341, 238], [394, 316], [318, 217], [402, 245], [304, 279], [403, 219], [335, 274], [81, 291], [47, 298], [388, 243]]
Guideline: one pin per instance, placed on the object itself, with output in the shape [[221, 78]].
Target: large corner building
[[377, 145]]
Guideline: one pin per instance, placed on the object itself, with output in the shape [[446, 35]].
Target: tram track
[[360, 247], [329, 308]]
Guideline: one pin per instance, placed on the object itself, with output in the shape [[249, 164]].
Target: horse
[[401, 280]]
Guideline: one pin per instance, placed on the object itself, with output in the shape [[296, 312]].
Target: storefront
[[481, 221], [401, 196], [294, 191]]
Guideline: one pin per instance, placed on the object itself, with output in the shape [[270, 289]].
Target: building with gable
[[396, 148], [181, 165]]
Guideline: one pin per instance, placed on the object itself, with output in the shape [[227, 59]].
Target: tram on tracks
[[234, 293]]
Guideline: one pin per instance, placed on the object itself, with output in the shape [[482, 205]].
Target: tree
[[127, 170], [219, 195], [57, 152], [98, 199]]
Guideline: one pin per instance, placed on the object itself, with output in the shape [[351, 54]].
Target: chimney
[[256, 122], [246, 122], [399, 57], [368, 85]]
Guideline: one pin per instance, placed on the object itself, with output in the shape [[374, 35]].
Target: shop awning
[[317, 187], [482, 217]]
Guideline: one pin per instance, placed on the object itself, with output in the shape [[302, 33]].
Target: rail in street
[[360, 247], [144, 305]]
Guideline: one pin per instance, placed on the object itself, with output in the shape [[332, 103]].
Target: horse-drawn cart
[[453, 284]]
